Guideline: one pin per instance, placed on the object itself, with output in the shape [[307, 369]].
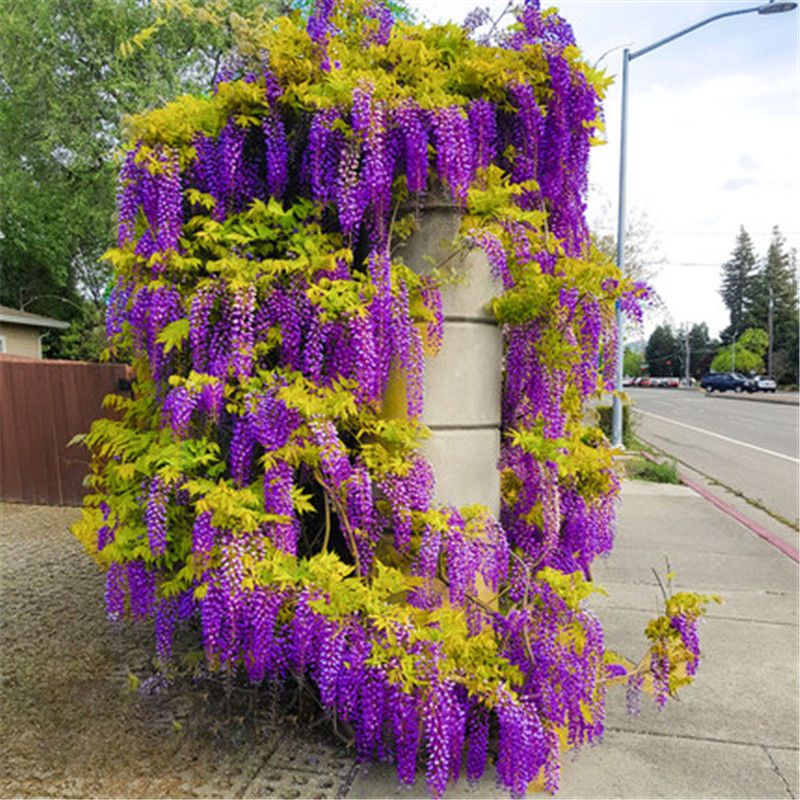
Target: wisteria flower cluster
[[259, 483]]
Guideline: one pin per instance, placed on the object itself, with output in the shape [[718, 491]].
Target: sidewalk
[[71, 727], [734, 733], [779, 398]]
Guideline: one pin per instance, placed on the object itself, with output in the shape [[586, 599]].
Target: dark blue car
[[723, 381]]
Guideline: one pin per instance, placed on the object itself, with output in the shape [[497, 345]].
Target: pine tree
[[777, 281], [662, 353], [700, 350], [738, 276]]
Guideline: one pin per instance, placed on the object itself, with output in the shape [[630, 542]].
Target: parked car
[[760, 383], [723, 382], [664, 383]]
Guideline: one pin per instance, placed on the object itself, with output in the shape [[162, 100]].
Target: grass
[[642, 469], [604, 423], [645, 446]]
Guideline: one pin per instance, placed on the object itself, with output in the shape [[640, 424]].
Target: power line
[[691, 264], [720, 233]]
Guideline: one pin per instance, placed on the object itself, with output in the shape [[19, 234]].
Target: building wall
[[20, 340]]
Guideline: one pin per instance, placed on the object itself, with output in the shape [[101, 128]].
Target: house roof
[[14, 316]]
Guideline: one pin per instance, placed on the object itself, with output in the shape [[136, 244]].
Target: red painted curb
[[775, 541]]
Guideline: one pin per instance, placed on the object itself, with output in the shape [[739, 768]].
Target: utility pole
[[686, 360], [733, 353], [769, 330]]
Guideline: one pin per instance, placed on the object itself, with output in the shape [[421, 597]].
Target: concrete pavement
[[70, 726], [734, 733]]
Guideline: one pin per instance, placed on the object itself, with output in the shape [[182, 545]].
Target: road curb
[[757, 529], [780, 401], [728, 509]]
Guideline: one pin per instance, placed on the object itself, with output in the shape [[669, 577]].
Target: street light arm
[[666, 40]]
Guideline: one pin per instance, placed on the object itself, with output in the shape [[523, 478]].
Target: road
[[750, 447]]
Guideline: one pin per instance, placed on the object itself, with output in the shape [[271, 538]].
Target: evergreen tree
[[661, 353], [777, 282], [738, 275], [700, 350]]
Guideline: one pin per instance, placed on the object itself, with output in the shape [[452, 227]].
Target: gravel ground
[[71, 724]]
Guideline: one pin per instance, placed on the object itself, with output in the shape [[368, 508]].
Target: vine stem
[[327, 537], [660, 584], [351, 538], [496, 22], [476, 600]]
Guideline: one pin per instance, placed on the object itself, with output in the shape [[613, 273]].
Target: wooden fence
[[43, 404]]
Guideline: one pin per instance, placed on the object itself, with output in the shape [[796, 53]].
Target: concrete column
[[463, 381]]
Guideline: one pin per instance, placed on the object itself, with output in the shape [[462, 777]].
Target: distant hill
[[637, 346]]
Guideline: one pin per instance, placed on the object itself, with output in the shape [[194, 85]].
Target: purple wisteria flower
[[267, 319]]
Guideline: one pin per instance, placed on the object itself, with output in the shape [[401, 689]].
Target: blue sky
[[714, 122]]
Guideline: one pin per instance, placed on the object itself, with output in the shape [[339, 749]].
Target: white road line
[[719, 436]]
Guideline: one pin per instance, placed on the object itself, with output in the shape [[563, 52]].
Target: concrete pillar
[[463, 381]]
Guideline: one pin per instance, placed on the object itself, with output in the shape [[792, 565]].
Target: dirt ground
[[71, 722]]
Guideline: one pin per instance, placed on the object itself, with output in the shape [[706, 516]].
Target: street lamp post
[[627, 57]]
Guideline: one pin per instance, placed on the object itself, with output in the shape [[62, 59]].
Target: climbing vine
[[255, 481]]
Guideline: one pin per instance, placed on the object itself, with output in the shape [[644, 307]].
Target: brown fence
[[43, 404]]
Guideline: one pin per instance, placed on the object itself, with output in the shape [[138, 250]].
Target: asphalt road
[[750, 447]]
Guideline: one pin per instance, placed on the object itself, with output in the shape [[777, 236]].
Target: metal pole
[[627, 56], [733, 352], [770, 322], [671, 38], [616, 407], [688, 352]]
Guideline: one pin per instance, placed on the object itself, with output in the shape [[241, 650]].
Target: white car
[[762, 384]]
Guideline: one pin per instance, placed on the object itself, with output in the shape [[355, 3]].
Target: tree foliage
[[750, 286], [69, 72], [746, 354], [701, 349], [632, 361], [776, 284], [662, 352], [738, 275]]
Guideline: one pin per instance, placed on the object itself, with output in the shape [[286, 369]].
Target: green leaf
[[174, 334]]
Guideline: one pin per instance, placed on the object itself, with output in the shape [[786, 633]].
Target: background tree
[[777, 279], [738, 274], [632, 361], [662, 353], [747, 356], [642, 251], [701, 349], [68, 73]]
